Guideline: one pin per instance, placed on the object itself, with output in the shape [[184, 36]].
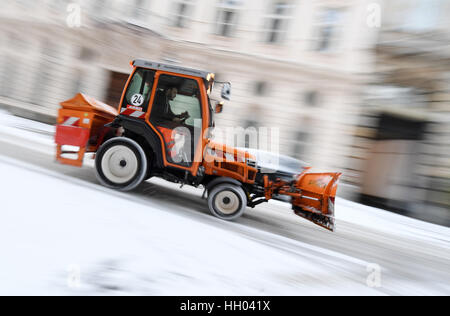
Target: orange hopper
[[81, 125]]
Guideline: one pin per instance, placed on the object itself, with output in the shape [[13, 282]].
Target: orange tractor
[[163, 129]]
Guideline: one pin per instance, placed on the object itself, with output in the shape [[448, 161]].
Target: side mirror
[[219, 108], [226, 91]]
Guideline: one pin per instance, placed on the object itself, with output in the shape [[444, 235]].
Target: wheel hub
[[119, 164], [227, 202]]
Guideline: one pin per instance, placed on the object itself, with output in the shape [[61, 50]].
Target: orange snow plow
[[163, 129], [81, 128], [313, 196]]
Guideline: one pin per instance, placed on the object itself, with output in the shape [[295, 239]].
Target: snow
[[49, 225], [60, 234], [389, 222], [386, 222]]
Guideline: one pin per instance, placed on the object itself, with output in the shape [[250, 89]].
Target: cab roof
[[172, 68]]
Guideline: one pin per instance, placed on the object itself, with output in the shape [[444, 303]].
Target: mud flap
[[317, 198]]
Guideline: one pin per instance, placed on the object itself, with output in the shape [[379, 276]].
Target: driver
[[164, 111]]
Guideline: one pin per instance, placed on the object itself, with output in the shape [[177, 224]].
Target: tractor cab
[[174, 103]]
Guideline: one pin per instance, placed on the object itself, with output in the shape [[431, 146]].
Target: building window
[[329, 26], [312, 98], [87, 54], [277, 22], [227, 17], [261, 88], [183, 12], [303, 137], [139, 9], [45, 75], [301, 142], [77, 82], [8, 83]]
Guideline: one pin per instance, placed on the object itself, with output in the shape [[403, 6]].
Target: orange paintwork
[[92, 115], [82, 102], [205, 118], [205, 115], [317, 185], [225, 161], [239, 154], [199, 158], [313, 194]]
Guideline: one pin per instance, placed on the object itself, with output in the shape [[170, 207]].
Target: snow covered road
[[62, 233]]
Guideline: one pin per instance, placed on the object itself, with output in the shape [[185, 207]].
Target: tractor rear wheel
[[227, 201], [121, 164]]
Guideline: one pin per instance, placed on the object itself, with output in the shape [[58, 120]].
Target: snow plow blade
[[313, 196], [317, 197], [81, 126]]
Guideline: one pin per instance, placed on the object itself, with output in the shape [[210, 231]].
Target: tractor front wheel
[[121, 164], [227, 201]]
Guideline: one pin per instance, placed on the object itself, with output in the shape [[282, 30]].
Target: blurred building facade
[[402, 148], [345, 94], [300, 66]]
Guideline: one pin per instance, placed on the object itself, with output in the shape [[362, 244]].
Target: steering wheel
[[186, 117]]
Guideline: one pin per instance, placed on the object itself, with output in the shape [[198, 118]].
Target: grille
[[230, 167]]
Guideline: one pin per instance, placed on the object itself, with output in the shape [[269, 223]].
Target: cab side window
[[140, 89]]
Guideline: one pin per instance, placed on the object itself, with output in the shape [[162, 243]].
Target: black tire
[[121, 164], [227, 201]]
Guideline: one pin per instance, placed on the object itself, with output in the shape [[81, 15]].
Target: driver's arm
[[184, 115], [178, 117]]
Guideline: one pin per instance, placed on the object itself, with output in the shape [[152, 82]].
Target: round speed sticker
[[137, 100]]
